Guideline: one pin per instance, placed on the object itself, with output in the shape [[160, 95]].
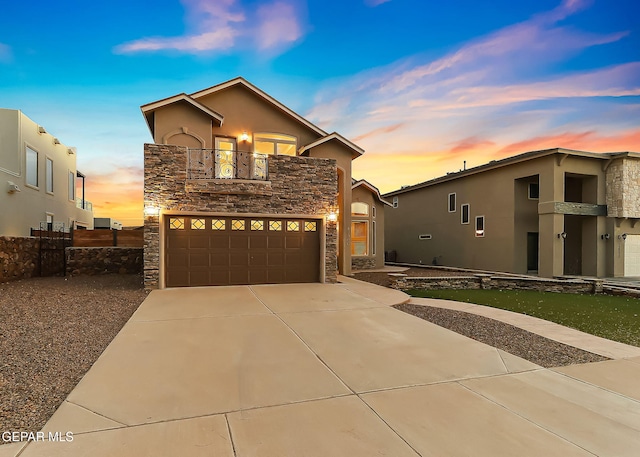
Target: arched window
[[359, 209]]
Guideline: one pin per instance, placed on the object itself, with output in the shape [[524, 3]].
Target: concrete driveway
[[329, 370]]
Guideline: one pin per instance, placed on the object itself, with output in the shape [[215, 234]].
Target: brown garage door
[[208, 251]]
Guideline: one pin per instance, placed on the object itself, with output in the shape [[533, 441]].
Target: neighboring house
[[37, 179], [239, 189], [367, 226], [554, 212]]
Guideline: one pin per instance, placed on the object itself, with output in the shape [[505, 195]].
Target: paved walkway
[[329, 370]]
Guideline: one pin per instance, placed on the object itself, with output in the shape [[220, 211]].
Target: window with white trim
[[274, 144], [32, 167], [359, 238], [359, 209], [49, 175], [464, 213], [373, 238], [479, 226], [452, 202]]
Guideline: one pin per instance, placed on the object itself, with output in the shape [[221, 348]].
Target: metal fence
[[226, 164]]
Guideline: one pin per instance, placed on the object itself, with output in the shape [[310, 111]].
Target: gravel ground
[[524, 344], [51, 331], [514, 340]]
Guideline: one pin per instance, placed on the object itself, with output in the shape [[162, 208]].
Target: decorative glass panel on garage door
[[203, 251]]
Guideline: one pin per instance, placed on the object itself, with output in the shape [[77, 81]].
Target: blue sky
[[420, 85]]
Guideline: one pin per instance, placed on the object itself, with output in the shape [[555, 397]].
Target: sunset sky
[[421, 85]]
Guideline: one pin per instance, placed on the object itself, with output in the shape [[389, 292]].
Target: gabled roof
[[562, 153], [149, 109], [357, 150], [373, 189], [244, 83]]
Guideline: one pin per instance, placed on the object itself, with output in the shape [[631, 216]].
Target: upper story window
[[359, 209], [72, 186], [534, 191], [274, 143], [464, 216], [452, 203], [49, 173], [32, 167]]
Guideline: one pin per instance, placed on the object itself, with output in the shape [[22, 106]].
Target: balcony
[[219, 171], [208, 164], [84, 204]]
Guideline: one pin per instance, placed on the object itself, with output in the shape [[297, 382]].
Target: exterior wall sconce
[[622, 237], [606, 236], [562, 235], [244, 137], [332, 216], [56, 141], [151, 211]]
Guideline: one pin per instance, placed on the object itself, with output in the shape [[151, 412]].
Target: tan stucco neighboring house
[[240, 189], [555, 212], [38, 178]]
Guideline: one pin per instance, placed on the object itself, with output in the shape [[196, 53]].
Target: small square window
[[176, 223], [310, 226], [534, 191], [237, 224], [218, 224], [452, 202], [197, 224], [293, 226], [257, 225], [275, 226]]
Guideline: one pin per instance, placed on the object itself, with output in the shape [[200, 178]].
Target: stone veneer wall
[[483, 281], [363, 263], [296, 185], [18, 257], [623, 188], [104, 260]]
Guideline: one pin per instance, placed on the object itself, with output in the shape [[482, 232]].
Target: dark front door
[[209, 250]]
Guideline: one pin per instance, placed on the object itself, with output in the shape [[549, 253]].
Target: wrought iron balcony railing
[[226, 164]]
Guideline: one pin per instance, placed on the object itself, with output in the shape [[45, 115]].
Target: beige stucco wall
[[500, 195], [27, 208]]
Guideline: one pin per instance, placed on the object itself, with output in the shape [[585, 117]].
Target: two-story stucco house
[[553, 212], [38, 177], [240, 189]]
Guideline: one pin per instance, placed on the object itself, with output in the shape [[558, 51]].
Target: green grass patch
[[614, 317]]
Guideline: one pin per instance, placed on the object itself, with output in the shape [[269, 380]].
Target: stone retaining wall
[[484, 281], [18, 257], [104, 260], [363, 263]]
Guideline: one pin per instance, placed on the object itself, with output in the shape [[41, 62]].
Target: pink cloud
[[214, 26], [278, 25], [374, 3]]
